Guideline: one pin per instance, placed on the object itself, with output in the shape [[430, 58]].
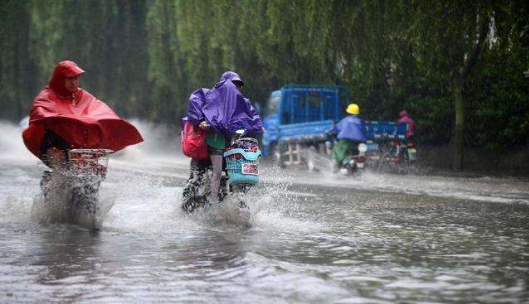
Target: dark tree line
[[456, 66]]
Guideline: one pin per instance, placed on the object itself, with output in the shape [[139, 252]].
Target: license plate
[[412, 151], [360, 165], [252, 169], [375, 157]]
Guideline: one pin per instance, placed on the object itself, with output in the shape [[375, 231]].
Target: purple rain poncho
[[351, 127], [224, 108]]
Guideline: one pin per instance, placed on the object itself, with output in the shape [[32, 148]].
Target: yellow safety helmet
[[353, 109]]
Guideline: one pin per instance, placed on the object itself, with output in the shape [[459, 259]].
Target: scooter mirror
[[362, 148]]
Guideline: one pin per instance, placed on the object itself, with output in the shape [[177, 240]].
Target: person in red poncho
[[64, 116]]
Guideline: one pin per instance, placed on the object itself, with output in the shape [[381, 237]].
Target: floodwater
[[312, 238]]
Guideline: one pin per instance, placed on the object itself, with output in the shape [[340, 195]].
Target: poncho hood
[[62, 71], [229, 75]]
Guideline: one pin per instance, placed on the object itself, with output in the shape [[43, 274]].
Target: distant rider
[[410, 130], [64, 117], [350, 133], [221, 110]]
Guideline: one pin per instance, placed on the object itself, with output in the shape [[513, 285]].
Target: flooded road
[[314, 238]]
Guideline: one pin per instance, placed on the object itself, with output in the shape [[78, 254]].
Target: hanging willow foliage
[[454, 66]]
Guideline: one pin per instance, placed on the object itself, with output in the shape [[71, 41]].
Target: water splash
[[66, 198], [161, 145], [11, 144]]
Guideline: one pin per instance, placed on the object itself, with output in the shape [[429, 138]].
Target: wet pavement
[[312, 238]]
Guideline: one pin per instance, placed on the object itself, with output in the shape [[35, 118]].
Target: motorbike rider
[[221, 111], [65, 116], [404, 118], [54, 151], [350, 132]]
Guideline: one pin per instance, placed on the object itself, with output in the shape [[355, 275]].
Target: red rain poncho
[[79, 118]]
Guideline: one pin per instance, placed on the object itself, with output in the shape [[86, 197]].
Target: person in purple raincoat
[[222, 111], [350, 132]]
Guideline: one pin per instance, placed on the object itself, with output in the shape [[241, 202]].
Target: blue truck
[[300, 117]]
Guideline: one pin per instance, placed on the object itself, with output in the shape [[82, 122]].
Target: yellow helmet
[[353, 109]]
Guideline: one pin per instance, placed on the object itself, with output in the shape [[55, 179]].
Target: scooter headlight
[[362, 148]]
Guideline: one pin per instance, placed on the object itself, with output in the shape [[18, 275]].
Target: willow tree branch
[[473, 57]]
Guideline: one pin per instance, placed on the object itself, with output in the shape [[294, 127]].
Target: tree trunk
[[458, 82], [457, 143]]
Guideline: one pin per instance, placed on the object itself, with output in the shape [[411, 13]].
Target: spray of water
[[161, 145], [11, 144], [149, 199], [66, 198]]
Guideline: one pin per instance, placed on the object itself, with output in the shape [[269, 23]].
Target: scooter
[[398, 156], [241, 172], [403, 153], [357, 161], [75, 190]]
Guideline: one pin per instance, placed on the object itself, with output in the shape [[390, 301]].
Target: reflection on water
[[312, 239]]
